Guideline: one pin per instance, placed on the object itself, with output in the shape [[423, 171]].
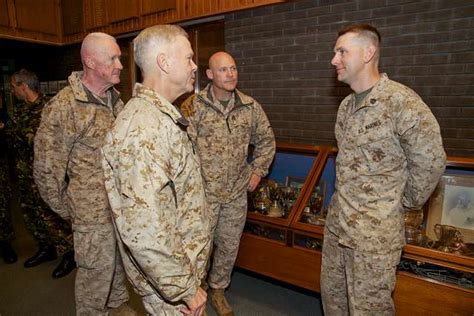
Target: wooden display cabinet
[[267, 242], [289, 249]]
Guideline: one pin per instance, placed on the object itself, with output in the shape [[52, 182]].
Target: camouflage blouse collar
[[161, 103], [81, 93], [371, 99], [240, 98], [40, 101]]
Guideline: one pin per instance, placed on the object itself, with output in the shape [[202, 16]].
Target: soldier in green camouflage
[[6, 227], [390, 159], [53, 234]]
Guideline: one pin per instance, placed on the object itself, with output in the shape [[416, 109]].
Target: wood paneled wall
[[57, 22], [31, 20]]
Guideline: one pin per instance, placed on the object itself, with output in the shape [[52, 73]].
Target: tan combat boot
[[219, 302]]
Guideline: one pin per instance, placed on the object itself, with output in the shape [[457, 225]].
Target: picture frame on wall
[[452, 204], [44, 87], [53, 87], [62, 84]]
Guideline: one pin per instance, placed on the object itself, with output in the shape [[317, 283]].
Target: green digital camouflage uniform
[[6, 227], [390, 160], [222, 137], [46, 226], [158, 203], [68, 172]]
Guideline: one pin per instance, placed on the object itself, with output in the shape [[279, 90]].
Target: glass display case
[[311, 216], [437, 265], [279, 194], [267, 242], [439, 255], [275, 201]]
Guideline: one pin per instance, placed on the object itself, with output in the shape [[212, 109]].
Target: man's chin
[[231, 88]]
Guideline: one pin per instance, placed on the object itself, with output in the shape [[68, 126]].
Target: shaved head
[[216, 58], [100, 56], [95, 44], [224, 75]]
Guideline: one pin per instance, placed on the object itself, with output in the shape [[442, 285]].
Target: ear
[[209, 74], [24, 86], [89, 61], [369, 53], [163, 63]]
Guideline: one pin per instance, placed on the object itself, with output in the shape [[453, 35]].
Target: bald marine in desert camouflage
[[390, 159], [69, 176], [224, 122]]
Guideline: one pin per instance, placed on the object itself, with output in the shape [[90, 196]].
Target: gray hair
[[152, 41], [27, 77]]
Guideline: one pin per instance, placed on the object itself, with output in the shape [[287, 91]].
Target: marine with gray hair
[[154, 183]]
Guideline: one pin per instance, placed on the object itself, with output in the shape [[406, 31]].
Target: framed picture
[[53, 87], [452, 203], [44, 87]]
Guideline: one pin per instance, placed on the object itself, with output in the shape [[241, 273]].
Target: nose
[[119, 64], [194, 65], [335, 60], [230, 72]]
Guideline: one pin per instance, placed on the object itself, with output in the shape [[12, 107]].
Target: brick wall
[[284, 54]]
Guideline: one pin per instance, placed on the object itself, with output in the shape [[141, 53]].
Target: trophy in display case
[[449, 238], [273, 199], [314, 212], [413, 221]]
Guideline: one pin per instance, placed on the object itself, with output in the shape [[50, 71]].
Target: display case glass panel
[[447, 221], [311, 214], [274, 233], [278, 195]]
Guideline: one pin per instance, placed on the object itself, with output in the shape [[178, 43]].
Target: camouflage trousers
[[6, 227], [100, 279], [47, 227], [155, 305], [356, 283], [228, 224]]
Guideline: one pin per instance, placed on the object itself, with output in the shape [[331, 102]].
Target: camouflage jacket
[[390, 159], [68, 167], [21, 129], [222, 137], [157, 198]]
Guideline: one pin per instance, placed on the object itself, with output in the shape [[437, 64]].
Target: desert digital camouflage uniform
[[222, 136], [157, 198], [47, 227], [390, 160], [68, 172]]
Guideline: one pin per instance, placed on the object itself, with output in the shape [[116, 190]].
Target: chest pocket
[[240, 126], [380, 149]]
